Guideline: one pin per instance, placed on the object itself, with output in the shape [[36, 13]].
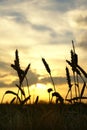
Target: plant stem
[[75, 83], [53, 82]]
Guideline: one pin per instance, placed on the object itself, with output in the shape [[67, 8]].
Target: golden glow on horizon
[[35, 90], [38, 90]]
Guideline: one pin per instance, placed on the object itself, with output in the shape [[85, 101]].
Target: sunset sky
[[41, 28]]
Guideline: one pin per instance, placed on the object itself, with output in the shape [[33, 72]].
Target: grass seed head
[[46, 65]]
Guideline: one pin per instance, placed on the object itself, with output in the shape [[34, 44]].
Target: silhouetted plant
[[58, 97], [74, 62], [49, 91], [49, 71], [77, 72], [12, 101], [69, 83], [37, 99], [21, 75]]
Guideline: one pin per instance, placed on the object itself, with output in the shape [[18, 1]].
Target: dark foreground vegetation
[[43, 117]]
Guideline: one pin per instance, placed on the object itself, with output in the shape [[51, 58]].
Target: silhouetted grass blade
[[46, 66], [74, 60], [67, 93], [68, 78], [83, 89], [36, 101], [25, 100], [12, 100], [73, 46], [11, 92], [22, 91], [75, 98], [82, 70], [49, 71], [14, 67], [77, 71], [25, 72], [17, 59]]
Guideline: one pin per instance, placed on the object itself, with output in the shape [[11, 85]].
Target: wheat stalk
[[49, 91], [69, 82], [49, 71]]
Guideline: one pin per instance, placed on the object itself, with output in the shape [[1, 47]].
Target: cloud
[[3, 76], [82, 20], [18, 17], [82, 42], [32, 77], [57, 80], [62, 6], [8, 2], [79, 24], [35, 22], [77, 19], [3, 84], [4, 66]]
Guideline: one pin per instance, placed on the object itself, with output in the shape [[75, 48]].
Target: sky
[[41, 28]]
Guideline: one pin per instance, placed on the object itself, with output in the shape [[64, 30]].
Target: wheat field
[[43, 117]]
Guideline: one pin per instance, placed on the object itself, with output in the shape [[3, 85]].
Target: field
[[43, 117]]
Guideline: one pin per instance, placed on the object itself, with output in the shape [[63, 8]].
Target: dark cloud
[[58, 38], [2, 84], [53, 5], [61, 6], [18, 17], [3, 75], [33, 77], [57, 80], [82, 20], [9, 2], [4, 66], [44, 28], [82, 42], [41, 27]]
